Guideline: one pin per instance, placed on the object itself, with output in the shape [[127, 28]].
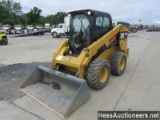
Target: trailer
[[39, 32]]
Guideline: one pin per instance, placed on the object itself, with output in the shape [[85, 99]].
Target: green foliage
[[23, 19], [42, 20], [14, 7], [57, 18], [34, 15], [3, 13], [17, 8], [9, 11]]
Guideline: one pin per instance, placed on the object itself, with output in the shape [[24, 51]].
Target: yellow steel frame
[[2, 35], [82, 61]]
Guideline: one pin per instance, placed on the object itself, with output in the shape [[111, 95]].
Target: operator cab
[[87, 26]]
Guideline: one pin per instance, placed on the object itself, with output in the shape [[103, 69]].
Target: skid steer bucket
[[57, 91]]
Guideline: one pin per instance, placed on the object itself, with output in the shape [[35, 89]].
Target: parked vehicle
[[132, 29], [38, 27], [153, 29], [6, 28], [18, 29], [62, 29], [12, 30], [3, 36], [29, 28], [140, 27], [47, 27], [88, 57]]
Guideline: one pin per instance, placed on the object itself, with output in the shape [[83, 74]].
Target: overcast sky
[[121, 10]]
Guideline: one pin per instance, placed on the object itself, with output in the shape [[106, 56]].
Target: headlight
[[89, 13]]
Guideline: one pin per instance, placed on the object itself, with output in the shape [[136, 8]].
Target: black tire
[[2, 42], [118, 63], [6, 42], [42, 33], [98, 73], [54, 35]]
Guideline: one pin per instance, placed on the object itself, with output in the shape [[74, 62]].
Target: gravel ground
[[12, 76], [20, 57]]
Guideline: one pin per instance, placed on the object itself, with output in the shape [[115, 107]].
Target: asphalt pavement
[[137, 89]]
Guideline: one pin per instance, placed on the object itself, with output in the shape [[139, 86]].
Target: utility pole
[[140, 21], [140, 24]]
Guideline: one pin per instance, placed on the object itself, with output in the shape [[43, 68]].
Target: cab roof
[[93, 11]]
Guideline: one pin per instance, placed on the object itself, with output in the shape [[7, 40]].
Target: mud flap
[[60, 92]]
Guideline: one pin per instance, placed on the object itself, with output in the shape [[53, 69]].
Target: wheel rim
[[122, 64], [104, 74]]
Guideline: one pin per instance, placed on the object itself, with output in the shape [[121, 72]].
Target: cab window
[[60, 26], [102, 22], [102, 26]]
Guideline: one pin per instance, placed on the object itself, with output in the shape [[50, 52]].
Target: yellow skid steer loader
[[94, 50], [3, 36]]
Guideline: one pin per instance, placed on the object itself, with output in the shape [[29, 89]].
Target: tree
[[14, 7], [57, 18], [51, 19], [8, 17], [3, 13], [17, 8], [11, 13], [42, 20], [34, 15], [7, 4]]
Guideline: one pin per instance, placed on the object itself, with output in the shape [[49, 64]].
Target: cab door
[[61, 29], [102, 25]]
